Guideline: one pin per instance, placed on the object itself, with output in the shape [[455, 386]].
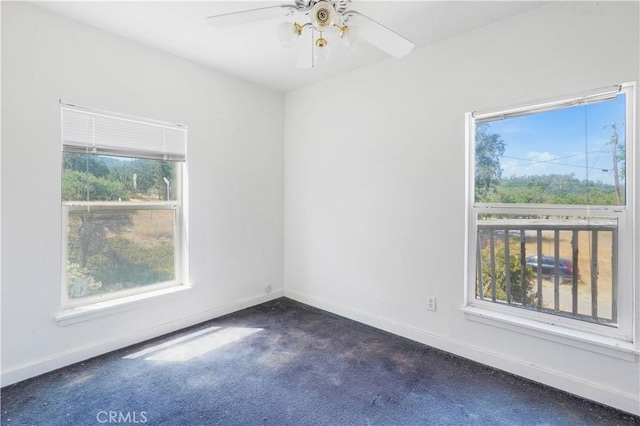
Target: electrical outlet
[[267, 288], [431, 303]]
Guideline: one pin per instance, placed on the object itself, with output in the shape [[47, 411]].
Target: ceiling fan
[[313, 20]]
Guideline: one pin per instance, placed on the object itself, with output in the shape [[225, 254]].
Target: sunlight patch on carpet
[[194, 345]]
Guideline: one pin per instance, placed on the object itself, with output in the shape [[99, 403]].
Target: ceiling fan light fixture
[[288, 33], [321, 16], [351, 37]]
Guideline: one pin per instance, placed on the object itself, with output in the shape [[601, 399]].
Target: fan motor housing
[[322, 15]]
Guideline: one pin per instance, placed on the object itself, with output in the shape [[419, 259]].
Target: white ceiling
[[253, 52]]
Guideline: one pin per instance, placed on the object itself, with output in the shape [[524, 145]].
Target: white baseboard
[[574, 385], [121, 341]]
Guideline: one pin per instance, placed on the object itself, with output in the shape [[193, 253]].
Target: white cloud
[[539, 159]]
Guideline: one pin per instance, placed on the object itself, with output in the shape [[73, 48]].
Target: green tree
[[619, 161], [88, 232], [83, 186], [489, 150], [87, 163], [122, 264], [552, 189], [622, 160], [149, 174], [518, 282]]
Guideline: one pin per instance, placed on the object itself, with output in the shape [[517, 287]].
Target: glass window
[[549, 220], [122, 220], [573, 155]]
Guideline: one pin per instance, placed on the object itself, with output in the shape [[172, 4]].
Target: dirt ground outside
[[151, 227]]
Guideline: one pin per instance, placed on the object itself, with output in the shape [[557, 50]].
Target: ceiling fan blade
[[251, 15], [304, 48], [380, 36]]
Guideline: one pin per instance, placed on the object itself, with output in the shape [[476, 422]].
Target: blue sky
[[571, 140]]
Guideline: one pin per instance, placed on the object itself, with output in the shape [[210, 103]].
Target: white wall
[[375, 188], [235, 161]]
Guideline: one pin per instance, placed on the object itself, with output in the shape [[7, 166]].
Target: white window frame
[[163, 151], [627, 216]]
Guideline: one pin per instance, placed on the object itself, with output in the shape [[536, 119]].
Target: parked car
[[565, 267]]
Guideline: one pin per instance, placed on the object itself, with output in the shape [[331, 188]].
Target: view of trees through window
[[566, 156], [556, 262], [120, 222]]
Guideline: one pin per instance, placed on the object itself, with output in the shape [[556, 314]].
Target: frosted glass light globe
[[321, 54], [288, 34], [352, 38]]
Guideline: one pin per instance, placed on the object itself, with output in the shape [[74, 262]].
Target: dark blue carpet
[[285, 363]]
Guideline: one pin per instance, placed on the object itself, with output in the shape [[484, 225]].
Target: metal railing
[[525, 263]]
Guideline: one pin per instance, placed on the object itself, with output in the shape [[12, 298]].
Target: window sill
[[109, 307], [579, 339]]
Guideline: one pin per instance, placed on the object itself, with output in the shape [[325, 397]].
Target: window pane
[[109, 251], [567, 156], [87, 177]]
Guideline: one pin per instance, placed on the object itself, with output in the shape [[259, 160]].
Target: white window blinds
[[91, 131]]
